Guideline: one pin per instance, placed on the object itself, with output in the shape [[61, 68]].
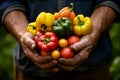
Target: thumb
[[84, 42], [28, 39]]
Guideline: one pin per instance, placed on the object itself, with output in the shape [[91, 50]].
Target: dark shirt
[[100, 55]]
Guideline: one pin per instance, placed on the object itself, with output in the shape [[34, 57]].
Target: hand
[[102, 19], [29, 45], [83, 47]]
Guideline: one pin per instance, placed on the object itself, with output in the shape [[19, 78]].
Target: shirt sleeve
[[114, 4], [8, 6]]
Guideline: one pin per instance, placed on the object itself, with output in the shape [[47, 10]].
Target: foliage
[[115, 69], [7, 42], [115, 64]]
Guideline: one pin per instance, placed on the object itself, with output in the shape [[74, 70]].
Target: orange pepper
[[65, 12]]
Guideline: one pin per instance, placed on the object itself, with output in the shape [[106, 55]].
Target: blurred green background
[[7, 44]]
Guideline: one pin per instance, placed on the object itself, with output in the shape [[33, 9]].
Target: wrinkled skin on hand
[[47, 63], [83, 48], [29, 45]]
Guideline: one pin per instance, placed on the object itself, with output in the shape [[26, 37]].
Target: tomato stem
[[43, 27]]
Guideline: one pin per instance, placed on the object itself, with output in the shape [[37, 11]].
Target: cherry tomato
[[73, 39], [67, 53], [55, 54], [63, 42]]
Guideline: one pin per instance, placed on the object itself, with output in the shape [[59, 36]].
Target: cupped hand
[[29, 47], [82, 50]]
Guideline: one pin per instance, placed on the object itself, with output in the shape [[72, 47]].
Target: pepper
[[48, 41], [82, 25], [44, 21], [62, 27], [66, 12], [32, 28]]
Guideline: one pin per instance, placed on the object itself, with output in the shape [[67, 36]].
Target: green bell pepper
[[62, 27]]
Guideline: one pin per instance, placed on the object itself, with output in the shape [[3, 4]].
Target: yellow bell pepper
[[45, 20], [82, 25], [32, 28]]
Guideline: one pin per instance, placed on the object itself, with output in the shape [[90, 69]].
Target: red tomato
[[73, 39], [66, 53]]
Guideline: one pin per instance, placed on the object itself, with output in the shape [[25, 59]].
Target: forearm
[[16, 23], [102, 18]]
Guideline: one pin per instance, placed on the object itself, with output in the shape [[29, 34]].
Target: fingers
[[54, 69], [72, 63], [66, 68], [49, 65], [35, 57], [67, 64], [28, 40], [83, 47], [46, 62], [83, 43]]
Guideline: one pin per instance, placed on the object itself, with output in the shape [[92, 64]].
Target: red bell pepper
[[48, 41]]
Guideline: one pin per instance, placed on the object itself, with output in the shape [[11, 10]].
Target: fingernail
[[33, 46], [73, 47]]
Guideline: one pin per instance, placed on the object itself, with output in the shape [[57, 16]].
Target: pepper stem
[[43, 28], [34, 27], [46, 40], [80, 22], [72, 6]]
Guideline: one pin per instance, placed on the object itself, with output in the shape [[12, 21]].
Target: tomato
[[73, 39], [44, 53], [55, 54], [67, 53], [63, 42]]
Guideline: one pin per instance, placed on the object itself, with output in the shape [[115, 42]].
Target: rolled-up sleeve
[[7, 6], [114, 4]]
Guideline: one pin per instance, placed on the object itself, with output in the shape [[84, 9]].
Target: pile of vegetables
[[54, 33]]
